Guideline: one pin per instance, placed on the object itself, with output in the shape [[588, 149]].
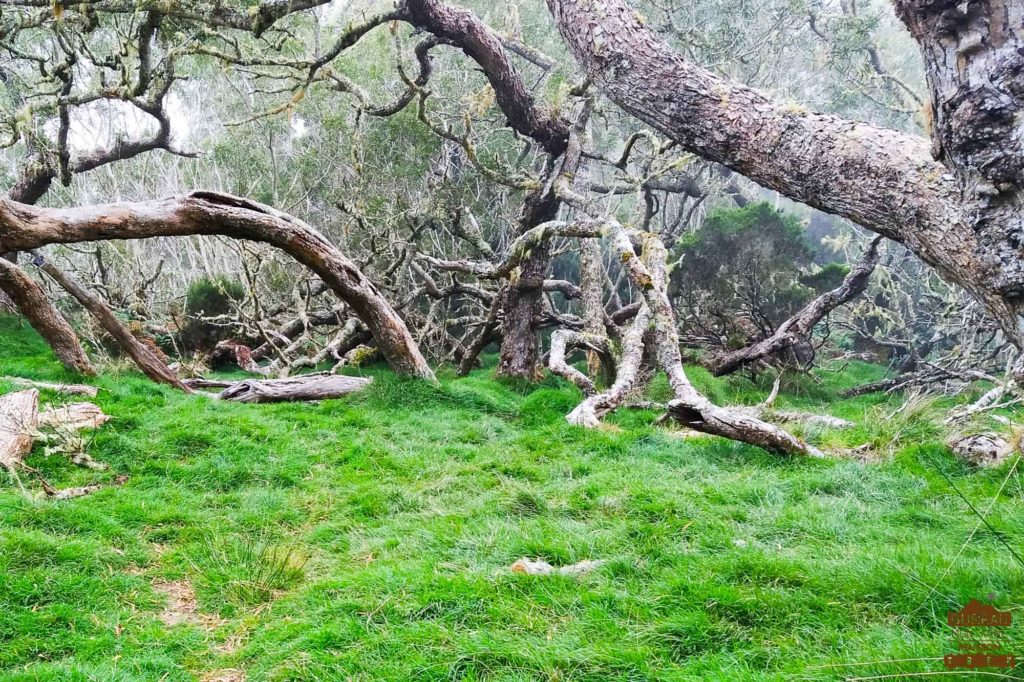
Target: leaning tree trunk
[[146, 360], [797, 329], [31, 300], [23, 228], [34, 306], [963, 216]]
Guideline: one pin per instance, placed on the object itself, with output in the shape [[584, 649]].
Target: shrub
[[209, 297], [742, 273]]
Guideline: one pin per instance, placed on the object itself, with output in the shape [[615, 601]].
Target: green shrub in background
[[744, 271], [209, 297]]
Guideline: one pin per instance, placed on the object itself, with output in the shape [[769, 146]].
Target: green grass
[[370, 539]]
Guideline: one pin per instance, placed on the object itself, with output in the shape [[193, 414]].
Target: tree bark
[[460, 27], [19, 416], [144, 357], [797, 329], [31, 300], [562, 341], [25, 227], [296, 389], [974, 62], [884, 180], [520, 350]]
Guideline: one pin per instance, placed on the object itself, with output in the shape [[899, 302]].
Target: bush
[[741, 274], [209, 297]]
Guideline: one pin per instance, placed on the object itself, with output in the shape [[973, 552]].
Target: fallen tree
[[24, 227], [797, 329]]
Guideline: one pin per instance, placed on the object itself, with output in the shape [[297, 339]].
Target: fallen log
[[209, 383], [19, 418], [293, 389], [69, 389]]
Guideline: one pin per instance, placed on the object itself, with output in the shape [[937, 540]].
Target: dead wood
[[19, 419], [69, 389], [539, 567], [73, 417], [981, 449], [294, 389]]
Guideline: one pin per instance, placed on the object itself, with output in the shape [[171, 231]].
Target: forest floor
[[371, 539]]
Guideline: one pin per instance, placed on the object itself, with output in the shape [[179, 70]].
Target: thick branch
[[31, 300], [148, 361], [25, 227], [799, 327], [463, 29]]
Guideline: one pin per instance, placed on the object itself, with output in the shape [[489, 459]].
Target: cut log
[[19, 418], [294, 389], [69, 389]]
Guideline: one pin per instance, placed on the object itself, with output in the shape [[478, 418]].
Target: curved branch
[[24, 227], [799, 326], [463, 29]]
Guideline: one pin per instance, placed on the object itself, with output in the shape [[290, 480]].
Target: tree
[[956, 204]]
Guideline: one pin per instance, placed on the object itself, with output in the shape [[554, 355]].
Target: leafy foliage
[[740, 273], [206, 298]]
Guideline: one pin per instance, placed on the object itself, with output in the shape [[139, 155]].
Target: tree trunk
[[319, 387], [884, 180], [31, 300], [147, 361], [797, 329], [520, 349], [25, 227], [974, 61]]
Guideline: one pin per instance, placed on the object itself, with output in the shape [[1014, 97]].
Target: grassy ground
[[371, 538]]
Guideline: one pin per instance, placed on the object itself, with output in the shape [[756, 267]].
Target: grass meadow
[[371, 538]]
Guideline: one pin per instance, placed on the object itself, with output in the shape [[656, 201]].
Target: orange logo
[[984, 644]]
